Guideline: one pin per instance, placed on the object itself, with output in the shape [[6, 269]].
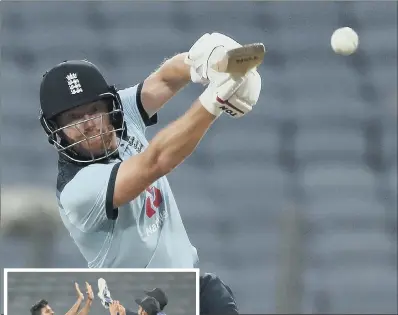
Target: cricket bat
[[240, 60]]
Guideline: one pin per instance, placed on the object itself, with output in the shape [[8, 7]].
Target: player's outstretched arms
[[90, 297], [80, 297]]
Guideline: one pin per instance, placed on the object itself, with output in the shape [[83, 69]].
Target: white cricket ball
[[344, 41]]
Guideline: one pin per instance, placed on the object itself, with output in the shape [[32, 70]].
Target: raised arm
[[164, 83], [172, 145], [90, 297], [80, 297]]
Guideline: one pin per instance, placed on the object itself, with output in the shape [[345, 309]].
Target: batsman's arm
[[164, 83], [179, 70], [169, 148]]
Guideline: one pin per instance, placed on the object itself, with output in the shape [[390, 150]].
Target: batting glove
[[235, 96], [204, 53]]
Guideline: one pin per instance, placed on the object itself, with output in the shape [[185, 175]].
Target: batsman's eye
[[94, 109], [73, 117]]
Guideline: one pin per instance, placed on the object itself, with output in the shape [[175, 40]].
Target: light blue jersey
[[145, 233]]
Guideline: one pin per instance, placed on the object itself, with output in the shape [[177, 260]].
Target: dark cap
[[149, 305], [70, 84], [159, 295]]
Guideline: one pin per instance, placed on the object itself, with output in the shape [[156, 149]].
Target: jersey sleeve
[[87, 199], [133, 108]]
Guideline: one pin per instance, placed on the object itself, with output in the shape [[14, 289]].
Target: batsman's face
[[90, 126], [47, 310]]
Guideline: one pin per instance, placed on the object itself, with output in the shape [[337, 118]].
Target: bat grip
[[230, 87]]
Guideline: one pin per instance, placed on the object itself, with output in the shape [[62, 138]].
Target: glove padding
[[235, 96], [204, 53]]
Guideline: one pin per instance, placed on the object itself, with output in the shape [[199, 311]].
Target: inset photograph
[[92, 291]]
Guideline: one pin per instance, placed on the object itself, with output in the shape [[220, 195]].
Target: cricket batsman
[[112, 190]]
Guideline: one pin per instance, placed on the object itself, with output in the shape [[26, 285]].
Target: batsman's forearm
[[177, 141], [75, 308], [165, 83], [175, 72]]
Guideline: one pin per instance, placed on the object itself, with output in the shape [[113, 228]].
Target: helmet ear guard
[[117, 119], [47, 129]]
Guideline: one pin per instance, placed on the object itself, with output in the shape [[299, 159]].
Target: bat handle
[[217, 60], [230, 87]]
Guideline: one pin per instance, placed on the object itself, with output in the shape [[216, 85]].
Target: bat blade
[[241, 60]]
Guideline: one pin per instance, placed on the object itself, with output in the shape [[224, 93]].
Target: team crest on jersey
[[74, 83]]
